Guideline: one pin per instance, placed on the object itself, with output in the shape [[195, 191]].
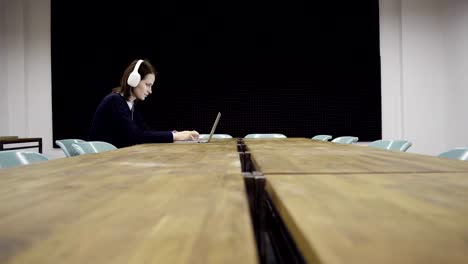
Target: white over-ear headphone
[[134, 78]]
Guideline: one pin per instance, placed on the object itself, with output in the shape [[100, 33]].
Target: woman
[[118, 122]]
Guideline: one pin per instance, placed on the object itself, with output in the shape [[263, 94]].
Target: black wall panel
[[281, 68]]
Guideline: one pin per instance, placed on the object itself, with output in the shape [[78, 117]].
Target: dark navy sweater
[[113, 123]]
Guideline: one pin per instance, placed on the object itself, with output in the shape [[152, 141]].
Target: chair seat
[[345, 140], [206, 136], [456, 153], [322, 137], [92, 147], [399, 145], [13, 158], [66, 146], [265, 136]]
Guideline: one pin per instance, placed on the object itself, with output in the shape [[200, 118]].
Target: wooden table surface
[[375, 218], [19, 140], [355, 204], [302, 155], [153, 203]]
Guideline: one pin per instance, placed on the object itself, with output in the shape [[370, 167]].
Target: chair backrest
[[92, 147], [345, 140], [206, 136], [322, 137], [400, 145], [456, 153], [265, 136], [16, 158], [65, 145]]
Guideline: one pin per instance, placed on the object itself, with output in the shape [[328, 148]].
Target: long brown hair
[[144, 69]]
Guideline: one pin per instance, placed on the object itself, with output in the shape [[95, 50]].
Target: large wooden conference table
[[154, 203], [187, 203], [355, 204]]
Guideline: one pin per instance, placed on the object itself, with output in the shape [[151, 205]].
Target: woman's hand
[[186, 135]]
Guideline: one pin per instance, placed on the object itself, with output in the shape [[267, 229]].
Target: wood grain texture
[[13, 139], [152, 203], [295, 155], [375, 218], [7, 137]]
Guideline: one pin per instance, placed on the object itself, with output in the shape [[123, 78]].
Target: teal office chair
[[456, 153], [66, 146], [17, 158], [399, 145], [345, 140], [92, 147], [322, 137], [265, 136], [206, 136]]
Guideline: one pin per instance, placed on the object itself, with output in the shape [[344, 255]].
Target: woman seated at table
[[117, 119]]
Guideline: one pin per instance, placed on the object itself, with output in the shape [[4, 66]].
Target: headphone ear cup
[[134, 79]]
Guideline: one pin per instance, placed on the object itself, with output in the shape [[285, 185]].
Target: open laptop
[[213, 129]]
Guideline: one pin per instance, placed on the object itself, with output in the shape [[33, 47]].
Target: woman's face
[[144, 87]]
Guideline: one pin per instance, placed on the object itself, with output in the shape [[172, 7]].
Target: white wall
[[425, 107], [4, 120], [457, 61], [425, 81], [424, 57], [3, 91], [391, 68], [26, 71]]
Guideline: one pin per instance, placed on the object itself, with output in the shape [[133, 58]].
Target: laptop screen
[[213, 129]]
